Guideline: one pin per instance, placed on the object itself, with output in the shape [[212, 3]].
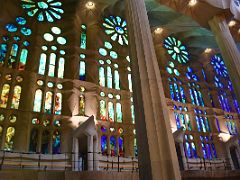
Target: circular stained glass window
[[176, 49], [82, 56], [116, 27], [26, 31], [40, 82], [8, 77], [57, 123], [118, 97], [102, 94], [54, 48], [61, 40], [26, 43], [101, 62], [16, 38], [110, 96], [13, 119], [11, 28], [44, 10], [35, 121], [103, 129], [59, 86], [102, 52], [108, 45], [44, 48], [50, 84], [19, 78], [113, 54], [56, 30], [21, 20], [62, 52], [48, 37]]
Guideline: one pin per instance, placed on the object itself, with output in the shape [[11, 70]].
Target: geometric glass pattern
[[219, 66], [116, 27], [45, 10], [176, 49]]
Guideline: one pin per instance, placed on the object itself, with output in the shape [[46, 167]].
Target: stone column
[[157, 153], [75, 155], [90, 153], [229, 51]]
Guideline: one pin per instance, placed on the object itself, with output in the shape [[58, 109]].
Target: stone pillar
[[157, 153], [229, 51], [90, 153], [75, 157]]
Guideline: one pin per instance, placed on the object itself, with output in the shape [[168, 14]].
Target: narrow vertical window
[[121, 146], [104, 144], [4, 95], [113, 146], [58, 104], [51, 70], [83, 43], [48, 102], [110, 111], [37, 101], [116, 79], [103, 110], [42, 65], [9, 139], [16, 97], [61, 67], [82, 72], [119, 112], [13, 56], [130, 82], [82, 105], [102, 80], [56, 142], [3, 52], [109, 77], [23, 59]]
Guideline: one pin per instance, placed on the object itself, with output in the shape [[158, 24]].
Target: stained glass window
[[82, 105], [176, 49], [9, 138], [16, 97], [135, 147], [116, 27], [121, 146], [4, 95], [18, 52], [116, 80], [48, 102], [104, 145], [119, 112], [53, 62], [103, 110], [189, 146], [83, 41], [208, 148], [37, 101], [113, 146], [202, 121], [109, 77], [102, 77], [82, 71], [56, 142], [46, 10], [110, 111], [58, 104], [176, 90]]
